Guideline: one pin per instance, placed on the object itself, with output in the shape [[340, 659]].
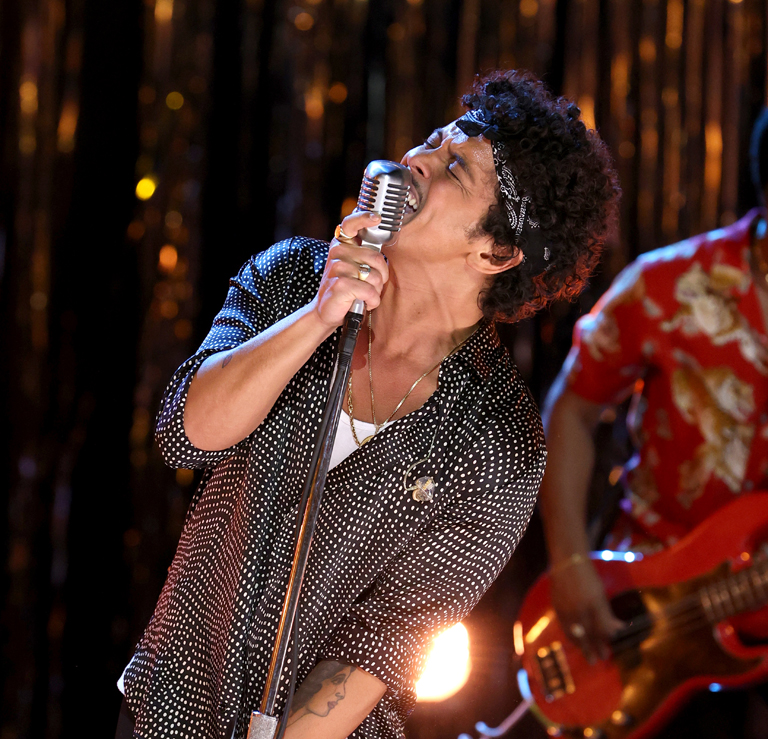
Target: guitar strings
[[692, 616], [677, 630], [687, 614], [681, 617]]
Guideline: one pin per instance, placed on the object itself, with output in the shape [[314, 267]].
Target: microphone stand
[[384, 190], [264, 724]]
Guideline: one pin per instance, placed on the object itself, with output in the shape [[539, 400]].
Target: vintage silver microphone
[[384, 191]]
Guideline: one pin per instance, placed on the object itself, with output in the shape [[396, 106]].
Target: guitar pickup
[[555, 673]]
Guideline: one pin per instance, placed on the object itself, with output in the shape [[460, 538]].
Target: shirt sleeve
[[439, 577], [611, 343], [268, 287]]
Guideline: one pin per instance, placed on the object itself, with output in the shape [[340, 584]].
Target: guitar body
[[696, 614]]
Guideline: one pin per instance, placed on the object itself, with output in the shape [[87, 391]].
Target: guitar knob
[[592, 732], [620, 718]]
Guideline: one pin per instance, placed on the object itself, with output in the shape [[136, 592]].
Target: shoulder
[[494, 388], [648, 283], [511, 436], [723, 245], [298, 254], [516, 412], [286, 274]]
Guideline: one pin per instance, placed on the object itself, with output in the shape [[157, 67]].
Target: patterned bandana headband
[[537, 252]]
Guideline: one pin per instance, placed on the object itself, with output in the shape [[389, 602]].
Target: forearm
[[569, 425], [233, 391], [333, 701]]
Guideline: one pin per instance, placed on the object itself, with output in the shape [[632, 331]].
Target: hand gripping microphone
[[384, 191]]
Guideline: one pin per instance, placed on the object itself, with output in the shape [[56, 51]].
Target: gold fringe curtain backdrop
[[672, 86]]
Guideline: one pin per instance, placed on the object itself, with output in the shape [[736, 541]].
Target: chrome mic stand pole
[[385, 191], [263, 723]]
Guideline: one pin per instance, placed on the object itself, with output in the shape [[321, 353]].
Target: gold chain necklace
[[377, 426]]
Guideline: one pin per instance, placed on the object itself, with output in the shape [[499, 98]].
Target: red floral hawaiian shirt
[[682, 328]]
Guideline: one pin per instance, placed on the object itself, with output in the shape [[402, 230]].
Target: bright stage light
[[448, 666]]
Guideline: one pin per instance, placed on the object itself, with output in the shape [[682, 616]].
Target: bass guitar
[[696, 618]]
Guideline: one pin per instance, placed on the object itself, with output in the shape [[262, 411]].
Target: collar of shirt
[[735, 251], [424, 430], [480, 353]]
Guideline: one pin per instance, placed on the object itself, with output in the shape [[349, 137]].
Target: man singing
[[437, 460]]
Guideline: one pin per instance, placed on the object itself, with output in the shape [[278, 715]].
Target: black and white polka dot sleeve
[[442, 574], [261, 294]]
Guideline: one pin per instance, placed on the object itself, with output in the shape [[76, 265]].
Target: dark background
[[281, 106]]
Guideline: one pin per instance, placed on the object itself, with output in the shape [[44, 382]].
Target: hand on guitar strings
[[583, 609]]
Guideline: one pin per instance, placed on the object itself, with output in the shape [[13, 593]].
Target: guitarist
[[684, 329]]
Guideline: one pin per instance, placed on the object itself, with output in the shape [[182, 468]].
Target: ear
[[482, 259]]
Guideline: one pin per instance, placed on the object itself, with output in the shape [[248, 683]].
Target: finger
[[344, 270], [578, 635], [355, 271], [358, 220], [598, 646], [356, 256], [604, 619], [587, 646], [608, 627], [580, 628], [348, 289], [601, 630]]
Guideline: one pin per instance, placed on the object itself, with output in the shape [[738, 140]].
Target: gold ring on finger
[[577, 631], [363, 271], [339, 235]]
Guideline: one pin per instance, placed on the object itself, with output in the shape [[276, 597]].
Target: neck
[[424, 312]]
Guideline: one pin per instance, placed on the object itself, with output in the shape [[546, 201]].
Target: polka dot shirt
[[385, 573]]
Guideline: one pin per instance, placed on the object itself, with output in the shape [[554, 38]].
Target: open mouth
[[412, 206]]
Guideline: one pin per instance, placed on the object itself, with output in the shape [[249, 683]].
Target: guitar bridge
[[555, 673]]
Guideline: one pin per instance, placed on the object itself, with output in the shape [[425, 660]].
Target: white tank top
[[344, 444]]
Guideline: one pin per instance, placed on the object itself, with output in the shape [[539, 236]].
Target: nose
[[420, 162]]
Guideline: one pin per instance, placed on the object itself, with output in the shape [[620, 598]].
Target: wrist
[[574, 560], [312, 323]]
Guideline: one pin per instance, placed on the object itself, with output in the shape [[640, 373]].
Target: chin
[[409, 218], [405, 236]]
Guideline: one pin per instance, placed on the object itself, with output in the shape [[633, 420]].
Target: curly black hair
[[567, 172]]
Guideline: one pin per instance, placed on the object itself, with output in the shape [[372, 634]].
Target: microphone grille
[[384, 190], [368, 191]]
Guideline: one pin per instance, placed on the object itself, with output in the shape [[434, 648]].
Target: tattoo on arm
[[227, 359], [321, 692]]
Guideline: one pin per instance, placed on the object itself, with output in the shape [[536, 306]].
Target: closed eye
[[433, 141]]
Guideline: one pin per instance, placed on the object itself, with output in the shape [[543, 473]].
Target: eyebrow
[[463, 164], [459, 159]]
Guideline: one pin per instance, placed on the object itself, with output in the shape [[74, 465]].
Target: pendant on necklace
[[366, 440], [424, 489]]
